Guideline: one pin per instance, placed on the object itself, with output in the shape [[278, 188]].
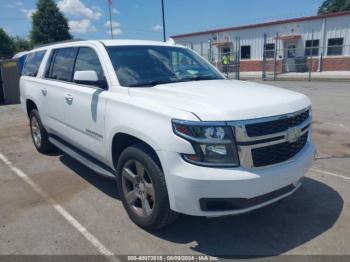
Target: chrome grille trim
[[245, 150], [242, 136], [269, 118]]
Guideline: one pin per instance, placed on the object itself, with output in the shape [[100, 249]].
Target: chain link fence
[[231, 69], [288, 60], [284, 58]]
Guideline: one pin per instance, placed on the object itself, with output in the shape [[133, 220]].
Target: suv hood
[[224, 100]]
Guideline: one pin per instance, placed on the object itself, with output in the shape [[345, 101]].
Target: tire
[[38, 132], [157, 213]]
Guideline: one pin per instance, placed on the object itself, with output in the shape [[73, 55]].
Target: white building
[[325, 37]]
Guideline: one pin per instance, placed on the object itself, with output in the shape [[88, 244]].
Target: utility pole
[[164, 35], [110, 17]]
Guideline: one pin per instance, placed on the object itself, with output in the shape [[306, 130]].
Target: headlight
[[213, 142]]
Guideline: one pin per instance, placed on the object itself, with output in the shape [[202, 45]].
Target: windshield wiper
[[152, 83], [198, 78]]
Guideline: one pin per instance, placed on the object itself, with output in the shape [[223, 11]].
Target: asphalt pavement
[[52, 205]]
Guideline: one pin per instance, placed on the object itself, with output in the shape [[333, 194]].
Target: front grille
[[271, 155], [276, 126]]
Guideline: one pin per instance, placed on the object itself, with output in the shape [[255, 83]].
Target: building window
[[270, 50], [226, 50], [312, 47], [335, 46], [245, 52]]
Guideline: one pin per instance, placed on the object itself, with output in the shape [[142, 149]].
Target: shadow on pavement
[[104, 184], [269, 231]]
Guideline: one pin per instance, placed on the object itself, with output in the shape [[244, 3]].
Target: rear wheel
[[142, 187], [38, 132]]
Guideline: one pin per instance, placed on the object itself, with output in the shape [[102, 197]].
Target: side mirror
[[89, 78]]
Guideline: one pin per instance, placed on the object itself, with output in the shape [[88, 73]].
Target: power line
[[20, 20]]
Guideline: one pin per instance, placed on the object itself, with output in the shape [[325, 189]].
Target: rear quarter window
[[32, 63]]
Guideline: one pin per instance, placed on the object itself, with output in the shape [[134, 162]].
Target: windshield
[[154, 65]]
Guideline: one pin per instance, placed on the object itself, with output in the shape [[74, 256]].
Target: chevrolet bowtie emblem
[[293, 133]]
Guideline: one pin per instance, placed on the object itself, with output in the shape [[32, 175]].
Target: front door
[[289, 56], [84, 110]]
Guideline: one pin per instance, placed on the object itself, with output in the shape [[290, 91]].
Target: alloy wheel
[[36, 133], [138, 188]]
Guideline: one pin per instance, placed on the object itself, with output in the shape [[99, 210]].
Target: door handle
[[69, 98], [44, 91]]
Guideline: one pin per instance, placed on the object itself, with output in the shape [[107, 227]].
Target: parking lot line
[[339, 125], [330, 174], [64, 213]]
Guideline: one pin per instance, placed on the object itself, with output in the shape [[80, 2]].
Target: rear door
[[84, 109]]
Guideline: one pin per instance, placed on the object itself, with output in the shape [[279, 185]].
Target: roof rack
[[59, 42]]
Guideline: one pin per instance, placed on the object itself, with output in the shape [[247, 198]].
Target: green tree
[[49, 24], [6, 45], [21, 44], [333, 6]]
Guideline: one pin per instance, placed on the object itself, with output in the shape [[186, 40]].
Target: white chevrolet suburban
[[176, 135]]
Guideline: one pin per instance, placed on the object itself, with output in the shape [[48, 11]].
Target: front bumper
[[189, 184]]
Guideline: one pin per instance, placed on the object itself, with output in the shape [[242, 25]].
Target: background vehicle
[[178, 136]]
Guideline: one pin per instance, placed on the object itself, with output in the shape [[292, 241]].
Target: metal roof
[[285, 21]]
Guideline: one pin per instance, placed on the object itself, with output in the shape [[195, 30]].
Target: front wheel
[[142, 188]]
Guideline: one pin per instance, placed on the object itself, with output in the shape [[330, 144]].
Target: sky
[[141, 19]]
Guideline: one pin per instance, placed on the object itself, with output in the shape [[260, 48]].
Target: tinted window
[[153, 65], [335, 46], [32, 63], [311, 47], [245, 52], [49, 64], [88, 60], [63, 63]]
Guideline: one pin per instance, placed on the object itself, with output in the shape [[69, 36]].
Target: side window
[[335, 46], [270, 50], [311, 47], [49, 64], [87, 60], [245, 52], [63, 63], [32, 64]]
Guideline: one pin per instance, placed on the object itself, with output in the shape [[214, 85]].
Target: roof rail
[[59, 42]]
